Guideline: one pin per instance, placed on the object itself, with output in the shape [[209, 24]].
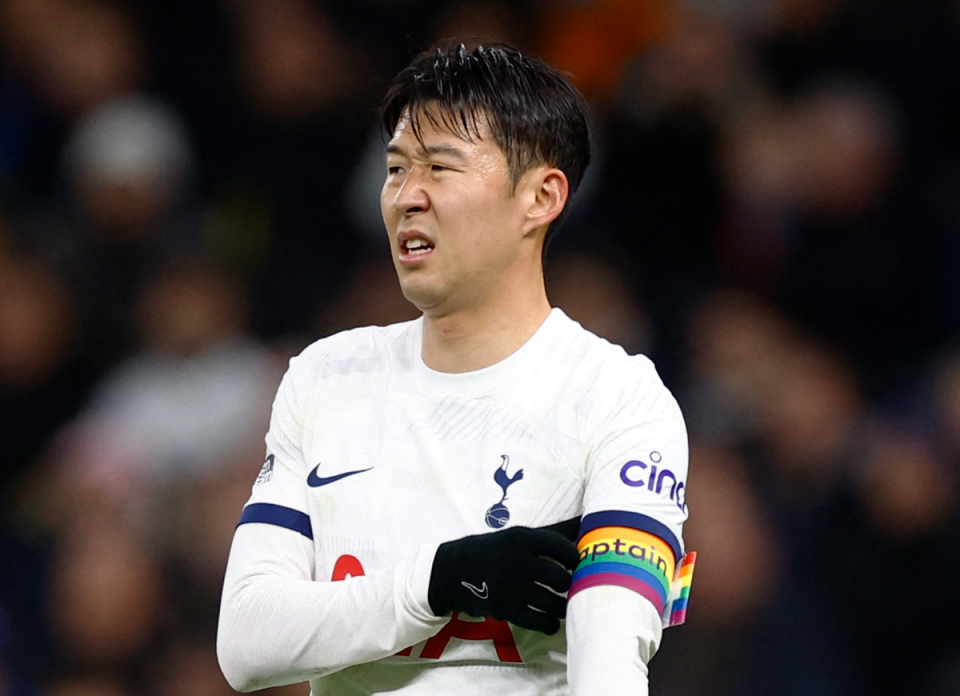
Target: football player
[[488, 499]]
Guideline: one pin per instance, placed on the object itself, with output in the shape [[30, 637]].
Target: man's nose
[[412, 196]]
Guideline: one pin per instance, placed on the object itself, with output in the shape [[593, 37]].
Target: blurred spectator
[[593, 40], [736, 341], [830, 155], [196, 395], [739, 539], [901, 513], [129, 209], [64, 58], [77, 54], [106, 592], [913, 55], [290, 59], [150, 478], [738, 574], [41, 384], [128, 165], [596, 294], [701, 65], [762, 387], [370, 297], [287, 140], [807, 423], [905, 489], [787, 411], [659, 194], [814, 222]]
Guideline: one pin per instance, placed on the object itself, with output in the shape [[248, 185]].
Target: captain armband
[[634, 551]]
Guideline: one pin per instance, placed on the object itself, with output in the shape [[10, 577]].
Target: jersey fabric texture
[[373, 460]]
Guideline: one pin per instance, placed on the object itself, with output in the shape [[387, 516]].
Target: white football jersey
[[373, 457]]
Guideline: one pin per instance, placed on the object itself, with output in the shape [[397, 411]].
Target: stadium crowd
[[188, 197]]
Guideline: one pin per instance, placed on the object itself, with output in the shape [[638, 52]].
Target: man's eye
[[394, 170], [438, 168]]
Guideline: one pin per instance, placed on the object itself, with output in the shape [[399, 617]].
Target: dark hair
[[535, 115]]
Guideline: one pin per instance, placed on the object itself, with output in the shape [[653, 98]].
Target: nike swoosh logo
[[481, 592], [315, 481]]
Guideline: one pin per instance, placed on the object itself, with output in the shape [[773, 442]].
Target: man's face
[[452, 216]]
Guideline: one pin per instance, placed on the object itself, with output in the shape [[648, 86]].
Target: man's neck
[[472, 340]]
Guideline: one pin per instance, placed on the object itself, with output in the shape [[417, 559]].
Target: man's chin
[[420, 296]]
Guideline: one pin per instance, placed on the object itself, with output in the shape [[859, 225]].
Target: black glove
[[502, 574]]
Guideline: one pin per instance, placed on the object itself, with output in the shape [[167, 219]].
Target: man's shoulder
[[606, 363], [362, 349], [605, 380]]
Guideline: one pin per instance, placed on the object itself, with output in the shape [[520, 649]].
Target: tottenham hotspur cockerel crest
[[498, 515]]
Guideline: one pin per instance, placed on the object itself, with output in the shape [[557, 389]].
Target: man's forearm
[[278, 626], [612, 633]]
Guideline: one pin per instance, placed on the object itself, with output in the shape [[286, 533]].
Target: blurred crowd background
[[188, 197]]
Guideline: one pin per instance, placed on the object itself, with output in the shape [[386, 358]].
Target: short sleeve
[[280, 482], [638, 457]]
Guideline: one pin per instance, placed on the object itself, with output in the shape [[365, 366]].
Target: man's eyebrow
[[444, 149], [429, 150]]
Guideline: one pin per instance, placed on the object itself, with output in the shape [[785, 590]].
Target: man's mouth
[[416, 246]]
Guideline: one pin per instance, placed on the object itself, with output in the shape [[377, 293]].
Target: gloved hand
[[502, 574]]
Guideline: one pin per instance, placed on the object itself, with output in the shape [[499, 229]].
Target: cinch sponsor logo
[[638, 474], [594, 552]]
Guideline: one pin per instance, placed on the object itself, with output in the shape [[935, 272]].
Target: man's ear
[[550, 190]]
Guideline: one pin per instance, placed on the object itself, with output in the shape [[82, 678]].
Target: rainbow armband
[[638, 553], [675, 613]]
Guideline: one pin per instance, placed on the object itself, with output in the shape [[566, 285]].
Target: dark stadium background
[[188, 196]]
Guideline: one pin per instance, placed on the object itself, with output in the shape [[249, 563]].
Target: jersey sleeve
[[278, 625], [278, 496], [638, 455], [630, 541]]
